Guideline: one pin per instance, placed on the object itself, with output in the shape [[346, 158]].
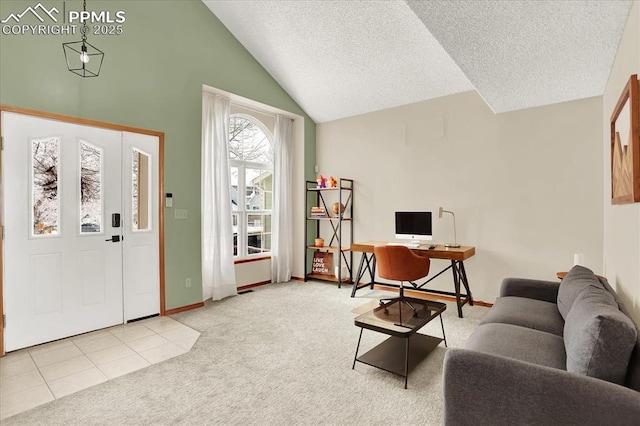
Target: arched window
[[251, 163]]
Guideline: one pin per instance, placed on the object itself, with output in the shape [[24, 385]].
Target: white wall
[[525, 186], [621, 222], [257, 272]]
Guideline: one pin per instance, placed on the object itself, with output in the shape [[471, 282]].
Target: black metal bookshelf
[[335, 227]]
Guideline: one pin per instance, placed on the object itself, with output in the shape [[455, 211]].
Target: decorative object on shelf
[[625, 146], [332, 182], [342, 272], [322, 263], [337, 208], [321, 181], [319, 242], [454, 244], [83, 58]]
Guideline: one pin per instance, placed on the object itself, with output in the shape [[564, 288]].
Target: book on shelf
[[317, 212]]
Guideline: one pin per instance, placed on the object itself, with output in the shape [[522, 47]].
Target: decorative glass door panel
[[140, 190], [45, 203], [91, 213]]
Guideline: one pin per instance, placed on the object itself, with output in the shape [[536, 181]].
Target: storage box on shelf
[[331, 215]]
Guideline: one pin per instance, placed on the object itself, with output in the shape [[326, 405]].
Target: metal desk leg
[[456, 283], [367, 263], [359, 275], [465, 282]]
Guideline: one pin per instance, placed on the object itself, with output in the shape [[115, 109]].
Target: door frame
[[104, 125]]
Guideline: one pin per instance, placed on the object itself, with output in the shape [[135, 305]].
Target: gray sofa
[[548, 353]]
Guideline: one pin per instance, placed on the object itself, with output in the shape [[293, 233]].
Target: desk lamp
[[455, 238]]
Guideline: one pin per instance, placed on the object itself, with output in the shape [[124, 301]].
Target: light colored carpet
[[281, 354]]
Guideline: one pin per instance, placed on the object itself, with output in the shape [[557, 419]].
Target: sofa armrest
[[546, 291], [484, 389]]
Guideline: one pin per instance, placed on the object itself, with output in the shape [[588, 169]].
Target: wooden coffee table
[[405, 348]]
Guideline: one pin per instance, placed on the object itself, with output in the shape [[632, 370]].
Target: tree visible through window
[[251, 161], [90, 188], [45, 204]]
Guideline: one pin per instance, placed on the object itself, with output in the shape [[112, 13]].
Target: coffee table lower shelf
[[391, 355]]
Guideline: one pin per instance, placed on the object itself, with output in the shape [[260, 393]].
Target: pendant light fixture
[[83, 58]]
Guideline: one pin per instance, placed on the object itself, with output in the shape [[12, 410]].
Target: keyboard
[[410, 245], [414, 245]]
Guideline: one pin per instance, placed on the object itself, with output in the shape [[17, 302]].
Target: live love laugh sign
[[322, 263]]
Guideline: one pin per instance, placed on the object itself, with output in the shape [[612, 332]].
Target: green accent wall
[[151, 78]]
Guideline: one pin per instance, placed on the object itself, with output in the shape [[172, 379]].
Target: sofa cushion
[[524, 344], [533, 289], [525, 312], [576, 280], [598, 337], [633, 370]]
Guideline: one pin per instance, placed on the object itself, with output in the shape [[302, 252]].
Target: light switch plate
[[180, 213]]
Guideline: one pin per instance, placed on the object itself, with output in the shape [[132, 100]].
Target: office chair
[[399, 263]]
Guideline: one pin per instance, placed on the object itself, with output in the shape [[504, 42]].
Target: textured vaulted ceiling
[[342, 58]]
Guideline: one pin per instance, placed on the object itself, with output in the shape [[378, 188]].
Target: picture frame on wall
[[625, 146]]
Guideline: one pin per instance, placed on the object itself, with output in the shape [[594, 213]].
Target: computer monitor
[[414, 226]]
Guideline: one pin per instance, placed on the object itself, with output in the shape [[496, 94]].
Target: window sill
[[251, 259]]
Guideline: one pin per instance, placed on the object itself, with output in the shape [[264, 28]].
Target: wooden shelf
[[326, 278], [329, 218], [324, 189], [346, 188], [328, 248]]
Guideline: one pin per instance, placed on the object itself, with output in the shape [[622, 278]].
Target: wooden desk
[[457, 256]]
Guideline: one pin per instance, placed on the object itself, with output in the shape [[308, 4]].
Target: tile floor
[[37, 375]]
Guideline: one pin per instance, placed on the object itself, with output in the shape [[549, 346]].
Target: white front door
[[63, 272], [61, 184]]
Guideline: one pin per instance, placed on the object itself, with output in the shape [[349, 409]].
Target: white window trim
[[243, 211]]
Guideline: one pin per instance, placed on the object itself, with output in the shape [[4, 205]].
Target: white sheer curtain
[[218, 271], [282, 242]]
